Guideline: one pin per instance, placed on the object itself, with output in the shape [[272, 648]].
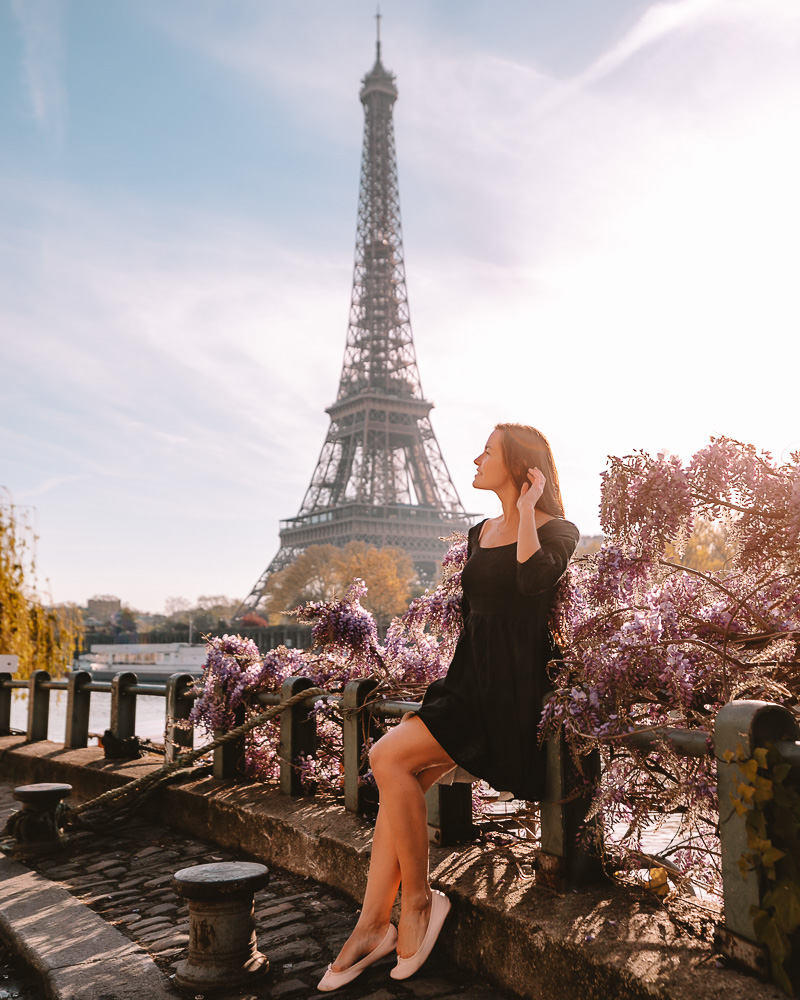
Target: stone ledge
[[594, 944], [74, 951]]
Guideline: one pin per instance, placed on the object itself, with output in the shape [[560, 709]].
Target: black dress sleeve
[[558, 539]]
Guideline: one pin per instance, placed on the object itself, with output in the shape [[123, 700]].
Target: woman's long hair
[[526, 448]]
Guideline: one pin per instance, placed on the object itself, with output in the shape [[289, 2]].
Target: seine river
[[150, 715]]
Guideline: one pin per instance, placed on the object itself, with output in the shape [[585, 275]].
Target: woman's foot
[[407, 966], [414, 919], [361, 943], [338, 974]]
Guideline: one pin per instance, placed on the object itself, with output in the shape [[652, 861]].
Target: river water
[[150, 715]]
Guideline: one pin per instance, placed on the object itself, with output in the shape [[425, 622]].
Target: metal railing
[[740, 728]]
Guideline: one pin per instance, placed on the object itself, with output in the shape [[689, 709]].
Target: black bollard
[[36, 822], [223, 951]]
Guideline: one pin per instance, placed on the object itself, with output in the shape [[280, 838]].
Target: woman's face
[[492, 473]]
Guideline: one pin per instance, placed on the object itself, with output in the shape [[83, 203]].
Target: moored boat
[[155, 661]]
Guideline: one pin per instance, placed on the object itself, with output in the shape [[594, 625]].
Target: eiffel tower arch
[[380, 477]]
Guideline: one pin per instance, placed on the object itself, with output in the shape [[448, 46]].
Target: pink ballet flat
[[334, 980], [440, 907]]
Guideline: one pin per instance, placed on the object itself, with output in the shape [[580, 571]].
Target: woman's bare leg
[[406, 762]]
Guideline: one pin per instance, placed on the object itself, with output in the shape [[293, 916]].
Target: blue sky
[[600, 211]]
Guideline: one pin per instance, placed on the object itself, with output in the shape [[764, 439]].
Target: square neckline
[[506, 545]]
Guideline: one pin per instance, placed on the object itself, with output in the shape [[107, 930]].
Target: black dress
[[485, 712]]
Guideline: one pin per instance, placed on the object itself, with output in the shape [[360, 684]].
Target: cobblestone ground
[[124, 876]]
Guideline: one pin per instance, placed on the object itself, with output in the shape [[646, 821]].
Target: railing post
[[6, 693], [38, 706], [123, 706], [355, 730], [564, 860], [298, 735], [740, 728], [78, 703], [229, 758], [450, 813], [177, 739]]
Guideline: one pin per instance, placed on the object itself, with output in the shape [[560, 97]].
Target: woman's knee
[[408, 748], [380, 756], [387, 755]]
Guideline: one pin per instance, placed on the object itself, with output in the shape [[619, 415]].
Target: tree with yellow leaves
[[323, 571], [707, 549], [44, 638]]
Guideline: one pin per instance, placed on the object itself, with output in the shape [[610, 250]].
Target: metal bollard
[[223, 950], [36, 822], [298, 735], [355, 729], [450, 813], [563, 861], [123, 706], [5, 703], [38, 706], [229, 758], [78, 704], [178, 708], [741, 727]]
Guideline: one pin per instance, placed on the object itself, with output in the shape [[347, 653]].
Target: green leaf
[[780, 978], [760, 920], [748, 769], [776, 941], [785, 901], [760, 754], [781, 772]]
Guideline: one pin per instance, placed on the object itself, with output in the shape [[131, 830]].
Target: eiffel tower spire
[[380, 477]]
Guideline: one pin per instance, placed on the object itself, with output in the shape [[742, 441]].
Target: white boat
[[155, 661]]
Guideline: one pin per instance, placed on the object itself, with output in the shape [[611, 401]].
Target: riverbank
[[598, 943]]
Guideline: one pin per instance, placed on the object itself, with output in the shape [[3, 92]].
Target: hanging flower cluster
[[649, 642]]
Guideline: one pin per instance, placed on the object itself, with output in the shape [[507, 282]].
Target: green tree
[[43, 637]]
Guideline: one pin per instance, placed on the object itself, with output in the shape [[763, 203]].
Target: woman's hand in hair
[[527, 535], [531, 491]]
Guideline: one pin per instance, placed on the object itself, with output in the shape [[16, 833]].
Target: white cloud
[[611, 257], [40, 23]]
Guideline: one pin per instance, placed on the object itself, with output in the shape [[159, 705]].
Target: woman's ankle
[[416, 902], [368, 924]]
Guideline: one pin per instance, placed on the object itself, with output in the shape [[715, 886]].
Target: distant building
[[100, 608]]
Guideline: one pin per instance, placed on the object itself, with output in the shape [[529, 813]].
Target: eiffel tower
[[380, 477]]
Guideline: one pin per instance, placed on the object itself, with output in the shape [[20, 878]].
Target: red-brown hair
[[526, 448]]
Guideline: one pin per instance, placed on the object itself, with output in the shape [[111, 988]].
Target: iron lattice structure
[[380, 477]]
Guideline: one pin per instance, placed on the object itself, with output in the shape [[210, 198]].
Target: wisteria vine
[[649, 642]]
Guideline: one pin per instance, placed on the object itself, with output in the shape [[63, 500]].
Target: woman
[[482, 718]]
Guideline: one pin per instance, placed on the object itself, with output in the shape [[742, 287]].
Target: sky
[[600, 216]]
